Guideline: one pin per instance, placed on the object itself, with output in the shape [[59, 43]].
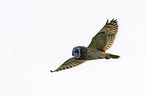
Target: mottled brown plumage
[[105, 37], [72, 62]]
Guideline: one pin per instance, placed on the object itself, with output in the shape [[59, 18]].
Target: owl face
[[79, 52], [76, 52]]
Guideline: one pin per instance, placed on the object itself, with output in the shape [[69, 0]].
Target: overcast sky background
[[37, 36]]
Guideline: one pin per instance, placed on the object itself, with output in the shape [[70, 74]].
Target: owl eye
[[76, 51]]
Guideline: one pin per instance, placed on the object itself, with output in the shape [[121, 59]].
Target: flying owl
[[97, 48]]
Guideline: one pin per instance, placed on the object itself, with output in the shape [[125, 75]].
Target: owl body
[[95, 54], [97, 48], [84, 53]]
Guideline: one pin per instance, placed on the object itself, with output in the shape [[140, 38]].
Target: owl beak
[[73, 54]]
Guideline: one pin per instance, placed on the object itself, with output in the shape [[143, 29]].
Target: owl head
[[79, 52]]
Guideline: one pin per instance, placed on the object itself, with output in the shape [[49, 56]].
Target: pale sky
[[37, 36]]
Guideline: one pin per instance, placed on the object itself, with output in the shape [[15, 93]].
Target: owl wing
[[105, 37], [72, 62]]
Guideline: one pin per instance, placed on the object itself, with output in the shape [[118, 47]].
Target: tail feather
[[108, 56]]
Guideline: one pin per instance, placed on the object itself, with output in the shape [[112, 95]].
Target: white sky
[[37, 36]]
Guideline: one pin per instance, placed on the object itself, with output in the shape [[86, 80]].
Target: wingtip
[[107, 21], [111, 20], [114, 20], [51, 71]]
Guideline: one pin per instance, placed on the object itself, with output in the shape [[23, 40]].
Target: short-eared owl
[[96, 50]]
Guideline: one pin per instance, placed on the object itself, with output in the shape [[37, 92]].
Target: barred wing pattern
[[72, 62], [105, 37]]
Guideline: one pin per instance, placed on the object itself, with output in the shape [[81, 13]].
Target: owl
[[97, 48]]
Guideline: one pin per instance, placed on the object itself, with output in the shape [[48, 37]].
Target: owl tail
[[108, 56]]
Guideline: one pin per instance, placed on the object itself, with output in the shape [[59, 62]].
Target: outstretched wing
[[72, 62], [105, 37]]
